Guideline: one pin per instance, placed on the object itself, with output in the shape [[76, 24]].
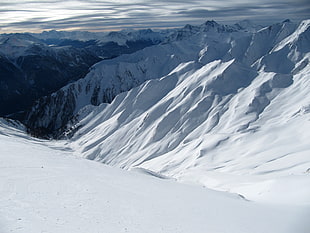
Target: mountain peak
[[287, 21], [211, 23]]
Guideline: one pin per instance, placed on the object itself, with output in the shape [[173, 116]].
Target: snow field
[[44, 188]]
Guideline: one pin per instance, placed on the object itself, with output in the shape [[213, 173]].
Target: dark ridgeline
[[31, 68]]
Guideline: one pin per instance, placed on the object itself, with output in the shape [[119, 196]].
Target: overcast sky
[[104, 15]]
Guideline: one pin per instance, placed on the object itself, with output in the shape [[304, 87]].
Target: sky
[[104, 15]]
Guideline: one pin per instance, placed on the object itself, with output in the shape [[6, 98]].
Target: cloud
[[268, 12], [38, 15]]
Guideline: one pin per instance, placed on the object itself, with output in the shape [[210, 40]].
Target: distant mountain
[[30, 69], [225, 107], [35, 65], [120, 37]]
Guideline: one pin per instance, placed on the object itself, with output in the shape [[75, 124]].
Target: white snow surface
[[176, 127], [45, 188], [15, 45], [222, 124], [202, 44], [220, 134]]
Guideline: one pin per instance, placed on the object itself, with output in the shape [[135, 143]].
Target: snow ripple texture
[[226, 108], [236, 106]]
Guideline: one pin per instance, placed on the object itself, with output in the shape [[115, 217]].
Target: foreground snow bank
[[43, 188]]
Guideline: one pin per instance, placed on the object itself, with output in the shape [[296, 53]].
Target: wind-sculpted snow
[[227, 109], [222, 119], [216, 106], [165, 112], [107, 79], [202, 44], [45, 188]]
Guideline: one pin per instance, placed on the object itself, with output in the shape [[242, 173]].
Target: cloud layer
[[100, 15]]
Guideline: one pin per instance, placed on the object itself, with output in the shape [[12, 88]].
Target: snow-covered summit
[[72, 35], [224, 113], [248, 25], [15, 45], [203, 44], [228, 110], [299, 38], [119, 37], [35, 65], [122, 37]]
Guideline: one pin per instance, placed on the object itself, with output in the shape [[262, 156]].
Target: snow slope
[[35, 65], [107, 79], [224, 109], [44, 188], [203, 44], [238, 124]]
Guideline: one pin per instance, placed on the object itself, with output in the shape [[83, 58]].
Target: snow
[[216, 141], [119, 37], [201, 44], [72, 35], [45, 188], [16, 45], [224, 124], [294, 36]]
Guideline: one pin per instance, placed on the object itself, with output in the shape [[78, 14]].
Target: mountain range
[[36, 65], [222, 107], [234, 105]]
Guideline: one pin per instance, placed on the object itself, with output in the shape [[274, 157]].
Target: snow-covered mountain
[[69, 35], [30, 69], [105, 80], [224, 107], [217, 118], [36, 65], [202, 44], [119, 37]]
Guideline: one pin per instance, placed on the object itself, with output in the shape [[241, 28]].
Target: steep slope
[[104, 81], [31, 69], [205, 43], [44, 188], [32, 66], [225, 124], [225, 108]]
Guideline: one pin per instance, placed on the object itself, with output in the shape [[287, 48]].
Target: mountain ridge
[[205, 43], [41, 66], [221, 119]]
